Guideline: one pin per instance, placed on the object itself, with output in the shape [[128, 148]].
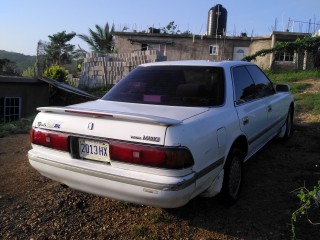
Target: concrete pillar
[[273, 43], [305, 60]]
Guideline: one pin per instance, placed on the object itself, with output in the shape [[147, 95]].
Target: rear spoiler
[[111, 114]]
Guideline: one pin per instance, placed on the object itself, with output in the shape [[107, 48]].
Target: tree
[[7, 67], [100, 40], [58, 51], [30, 71], [170, 28]]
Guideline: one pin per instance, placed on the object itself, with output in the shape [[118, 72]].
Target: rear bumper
[[121, 184]]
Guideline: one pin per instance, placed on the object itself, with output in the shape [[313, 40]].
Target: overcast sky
[[25, 22]]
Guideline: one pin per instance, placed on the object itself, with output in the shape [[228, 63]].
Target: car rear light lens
[[55, 140], [162, 157], [152, 156]]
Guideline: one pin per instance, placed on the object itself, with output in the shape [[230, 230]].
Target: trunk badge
[[90, 126]]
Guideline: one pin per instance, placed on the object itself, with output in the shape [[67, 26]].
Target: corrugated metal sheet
[[67, 88]]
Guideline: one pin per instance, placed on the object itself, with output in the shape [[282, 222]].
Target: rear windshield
[[171, 85]]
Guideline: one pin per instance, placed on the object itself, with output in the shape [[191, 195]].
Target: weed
[[308, 199], [140, 231], [158, 217]]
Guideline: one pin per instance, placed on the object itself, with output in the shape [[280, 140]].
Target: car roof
[[198, 63]]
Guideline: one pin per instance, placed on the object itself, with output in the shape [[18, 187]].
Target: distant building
[[134, 48], [19, 97], [192, 47]]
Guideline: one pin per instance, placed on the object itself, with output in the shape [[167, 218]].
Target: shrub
[[57, 73]]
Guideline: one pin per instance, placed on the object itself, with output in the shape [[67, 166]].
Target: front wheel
[[232, 177], [289, 125]]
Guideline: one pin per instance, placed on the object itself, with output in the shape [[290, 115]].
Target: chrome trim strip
[[210, 168], [145, 184]]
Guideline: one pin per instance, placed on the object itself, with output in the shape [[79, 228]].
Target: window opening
[[213, 50], [285, 56], [10, 109]]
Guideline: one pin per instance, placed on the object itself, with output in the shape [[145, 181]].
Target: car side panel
[[278, 106], [253, 122]]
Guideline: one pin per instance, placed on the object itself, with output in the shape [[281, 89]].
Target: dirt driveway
[[34, 207]]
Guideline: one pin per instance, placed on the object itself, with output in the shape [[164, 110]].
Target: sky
[[23, 23]]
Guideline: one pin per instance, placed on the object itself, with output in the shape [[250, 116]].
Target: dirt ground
[[34, 207]]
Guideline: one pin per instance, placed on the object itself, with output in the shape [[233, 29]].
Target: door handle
[[245, 120], [269, 108]]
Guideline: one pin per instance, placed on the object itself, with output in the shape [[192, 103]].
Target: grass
[[16, 127], [293, 76], [297, 88], [306, 102]]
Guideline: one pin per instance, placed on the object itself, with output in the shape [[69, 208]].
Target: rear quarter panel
[[199, 135]]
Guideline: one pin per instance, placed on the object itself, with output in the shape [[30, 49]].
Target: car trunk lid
[[114, 120]]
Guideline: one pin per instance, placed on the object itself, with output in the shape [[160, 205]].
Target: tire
[[289, 125], [233, 174]]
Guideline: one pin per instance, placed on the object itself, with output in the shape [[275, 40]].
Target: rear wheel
[[232, 177]]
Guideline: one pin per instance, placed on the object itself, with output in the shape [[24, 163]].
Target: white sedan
[[166, 133]]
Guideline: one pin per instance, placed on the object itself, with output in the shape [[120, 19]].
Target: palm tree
[[100, 40]]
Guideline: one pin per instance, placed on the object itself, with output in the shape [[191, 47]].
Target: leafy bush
[[57, 73]]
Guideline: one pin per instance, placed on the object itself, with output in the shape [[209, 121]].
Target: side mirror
[[283, 88]]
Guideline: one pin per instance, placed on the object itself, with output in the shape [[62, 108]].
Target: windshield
[[171, 85]]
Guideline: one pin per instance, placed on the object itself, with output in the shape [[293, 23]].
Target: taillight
[[55, 140], [162, 157]]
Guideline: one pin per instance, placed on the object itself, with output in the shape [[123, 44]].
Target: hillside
[[22, 61]]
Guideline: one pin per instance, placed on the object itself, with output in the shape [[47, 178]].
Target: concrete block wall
[[264, 62], [180, 47], [102, 70]]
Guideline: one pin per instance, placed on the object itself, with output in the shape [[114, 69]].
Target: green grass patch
[[16, 127], [299, 87], [293, 76], [308, 102]]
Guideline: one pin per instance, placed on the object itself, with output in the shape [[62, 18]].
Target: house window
[[213, 50], [10, 109], [285, 56]]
